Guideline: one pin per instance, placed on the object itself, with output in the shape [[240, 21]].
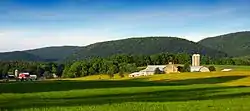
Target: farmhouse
[[171, 68], [199, 69]]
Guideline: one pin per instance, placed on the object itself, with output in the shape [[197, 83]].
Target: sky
[[30, 24]]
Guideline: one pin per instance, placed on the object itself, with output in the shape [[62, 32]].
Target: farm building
[[150, 70], [199, 69], [171, 68]]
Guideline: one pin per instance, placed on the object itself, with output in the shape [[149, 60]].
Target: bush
[[212, 68]]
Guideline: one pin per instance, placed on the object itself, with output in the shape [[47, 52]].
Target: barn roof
[[151, 68]]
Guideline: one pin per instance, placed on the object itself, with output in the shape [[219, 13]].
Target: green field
[[216, 91]]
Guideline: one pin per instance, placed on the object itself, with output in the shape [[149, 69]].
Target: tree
[[54, 69], [85, 68], [1, 73], [75, 70], [113, 69], [212, 68], [48, 75], [32, 69], [6, 69], [121, 74], [40, 71], [65, 73], [60, 69], [186, 68]]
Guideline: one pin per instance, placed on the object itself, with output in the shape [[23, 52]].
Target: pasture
[[215, 91]]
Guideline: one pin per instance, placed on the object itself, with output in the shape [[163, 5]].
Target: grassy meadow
[[215, 91]]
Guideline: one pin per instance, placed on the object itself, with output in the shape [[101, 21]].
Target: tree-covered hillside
[[54, 53], [234, 44], [144, 46], [19, 55]]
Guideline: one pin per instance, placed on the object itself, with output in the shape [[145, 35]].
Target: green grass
[[193, 94]]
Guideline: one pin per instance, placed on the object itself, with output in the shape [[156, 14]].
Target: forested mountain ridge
[[234, 44], [19, 55], [143, 46], [54, 53]]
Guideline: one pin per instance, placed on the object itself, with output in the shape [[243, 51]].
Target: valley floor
[[216, 91]]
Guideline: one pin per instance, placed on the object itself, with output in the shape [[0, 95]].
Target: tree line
[[125, 63], [122, 63], [41, 69]]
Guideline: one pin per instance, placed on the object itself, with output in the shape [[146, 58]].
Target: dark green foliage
[[186, 68], [48, 54], [144, 46], [234, 44], [35, 68], [212, 68], [75, 70], [128, 63], [40, 71], [121, 74], [59, 70]]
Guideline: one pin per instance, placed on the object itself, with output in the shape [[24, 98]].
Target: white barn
[[199, 69], [148, 71]]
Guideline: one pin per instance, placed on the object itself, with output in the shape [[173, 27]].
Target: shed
[[226, 70]]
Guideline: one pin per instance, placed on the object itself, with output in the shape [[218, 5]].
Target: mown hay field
[[215, 91]]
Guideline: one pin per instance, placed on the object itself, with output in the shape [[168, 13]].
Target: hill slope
[[54, 53], [234, 44], [18, 55], [147, 45]]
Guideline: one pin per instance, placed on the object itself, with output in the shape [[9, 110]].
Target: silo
[[196, 60], [16, 72]]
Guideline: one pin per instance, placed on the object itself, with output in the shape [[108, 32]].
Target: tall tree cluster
[[122, 63], [125, 63], [35, 68]]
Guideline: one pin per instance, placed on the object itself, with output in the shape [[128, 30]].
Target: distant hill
[[234, 44], [145, 45], [18, 55], [54, 53]]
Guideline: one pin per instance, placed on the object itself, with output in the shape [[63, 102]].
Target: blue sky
[[29, 24]]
